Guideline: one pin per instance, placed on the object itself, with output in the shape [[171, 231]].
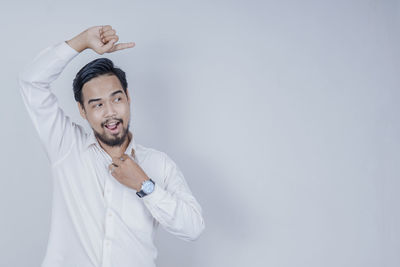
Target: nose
[[109, 110]]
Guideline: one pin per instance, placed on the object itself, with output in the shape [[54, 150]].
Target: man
[[110, 193]]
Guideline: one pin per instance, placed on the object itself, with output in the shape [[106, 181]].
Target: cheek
[[124, 112], [95, 119]]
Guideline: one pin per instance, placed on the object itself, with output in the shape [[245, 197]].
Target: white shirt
[[97, 221]]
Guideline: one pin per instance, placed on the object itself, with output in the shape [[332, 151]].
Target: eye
[[98, 105], [117, 99]]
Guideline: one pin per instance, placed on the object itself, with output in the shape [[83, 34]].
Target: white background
[[283, 116]]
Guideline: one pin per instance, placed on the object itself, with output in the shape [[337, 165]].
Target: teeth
[[112, 123]]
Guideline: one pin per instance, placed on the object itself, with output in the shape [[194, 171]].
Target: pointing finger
[[122, 46]]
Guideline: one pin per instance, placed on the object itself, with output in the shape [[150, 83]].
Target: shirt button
[[109, 214]]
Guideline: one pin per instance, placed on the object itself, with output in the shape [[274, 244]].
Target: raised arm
[[56, 131], [101, 39]]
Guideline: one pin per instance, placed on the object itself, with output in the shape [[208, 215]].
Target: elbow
[[196, 231], [27, 76], [23, 80], [22, 77]]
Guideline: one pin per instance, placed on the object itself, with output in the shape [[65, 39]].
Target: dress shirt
[[97, 221]]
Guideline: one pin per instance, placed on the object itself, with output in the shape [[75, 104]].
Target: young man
[[110, 193]]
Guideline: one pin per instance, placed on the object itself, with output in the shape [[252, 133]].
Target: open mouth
[[113, 127]]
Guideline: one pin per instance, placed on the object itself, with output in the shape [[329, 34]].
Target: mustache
[[114, 119]]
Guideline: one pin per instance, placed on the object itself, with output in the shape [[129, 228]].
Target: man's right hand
[[102, 39]]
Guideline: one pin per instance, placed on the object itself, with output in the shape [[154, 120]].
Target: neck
[[116, 151]]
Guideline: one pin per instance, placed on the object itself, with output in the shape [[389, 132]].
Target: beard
[[114, 140]]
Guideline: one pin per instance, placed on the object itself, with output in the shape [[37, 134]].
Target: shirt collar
[[92, 140]]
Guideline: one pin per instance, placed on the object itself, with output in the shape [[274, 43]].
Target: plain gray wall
[[283, 116]]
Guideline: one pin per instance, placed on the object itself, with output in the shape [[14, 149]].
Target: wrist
[[139, 186], [147, 188], [79, 42]]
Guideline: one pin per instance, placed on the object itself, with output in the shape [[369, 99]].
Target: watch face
[[148, 187]]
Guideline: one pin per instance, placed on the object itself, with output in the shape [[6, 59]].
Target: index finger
[[122, 46]]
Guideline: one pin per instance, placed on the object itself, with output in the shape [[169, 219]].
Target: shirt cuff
[[156, 196], [65, 52]]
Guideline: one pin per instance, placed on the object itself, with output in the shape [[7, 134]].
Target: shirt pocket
[[135, 214]]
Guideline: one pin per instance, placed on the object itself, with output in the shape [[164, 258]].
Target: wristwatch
[[147, 188]]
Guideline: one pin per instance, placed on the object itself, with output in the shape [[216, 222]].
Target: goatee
[[115, 141]]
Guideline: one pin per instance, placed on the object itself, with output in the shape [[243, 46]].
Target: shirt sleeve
[[174, 207], [54, 128]]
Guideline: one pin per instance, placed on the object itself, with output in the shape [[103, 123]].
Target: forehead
[[101, 87]]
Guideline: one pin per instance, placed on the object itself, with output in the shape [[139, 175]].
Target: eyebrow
[[112, 94]]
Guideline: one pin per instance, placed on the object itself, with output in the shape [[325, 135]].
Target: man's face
[[106, 108]]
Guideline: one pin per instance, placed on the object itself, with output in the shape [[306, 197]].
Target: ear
[[82, 110]]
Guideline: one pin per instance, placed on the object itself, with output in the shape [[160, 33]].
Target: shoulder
[[147, 153], [156, 158], [157, 164]]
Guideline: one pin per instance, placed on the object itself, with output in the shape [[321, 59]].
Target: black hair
[[95, 68]]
